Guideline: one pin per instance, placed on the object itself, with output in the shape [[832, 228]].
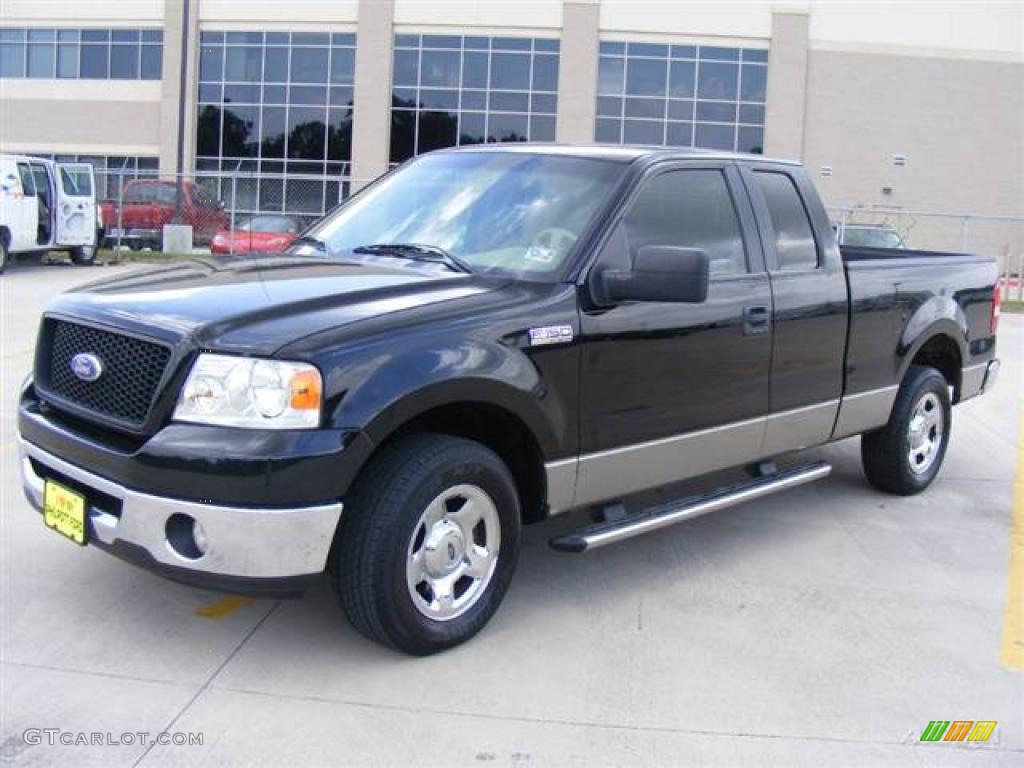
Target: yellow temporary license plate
[[64, 511]]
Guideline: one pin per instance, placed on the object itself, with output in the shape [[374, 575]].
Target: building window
[[271, 104], [450, 90], [681, 95], [81, 54]]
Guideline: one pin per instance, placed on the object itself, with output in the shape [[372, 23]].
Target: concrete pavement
[[825, 625]]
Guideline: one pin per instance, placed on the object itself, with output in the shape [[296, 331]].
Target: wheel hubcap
[[453, 552], [925, 433]]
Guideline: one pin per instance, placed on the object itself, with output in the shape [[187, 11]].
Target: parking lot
[[827, 625]]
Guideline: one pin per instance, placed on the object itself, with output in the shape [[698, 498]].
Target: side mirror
[[660, 273]]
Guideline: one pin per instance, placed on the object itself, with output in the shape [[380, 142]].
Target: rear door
[[21, 209], [810, 307], [76, 204], [672, 390]]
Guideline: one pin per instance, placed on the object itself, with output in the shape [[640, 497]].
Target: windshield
[[872, 237], [510, 213]]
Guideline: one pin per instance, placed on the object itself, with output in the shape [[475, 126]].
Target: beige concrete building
[[906, 107]]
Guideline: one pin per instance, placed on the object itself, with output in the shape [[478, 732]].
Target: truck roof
[[623, 153]]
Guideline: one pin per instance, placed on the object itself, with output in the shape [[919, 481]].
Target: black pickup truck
[[479, 340]]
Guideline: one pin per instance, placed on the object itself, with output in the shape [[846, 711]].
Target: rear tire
[[5, 252], [905, 455], [428, 542], [83, 255]]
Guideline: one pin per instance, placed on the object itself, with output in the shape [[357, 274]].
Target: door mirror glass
[[659, 273]]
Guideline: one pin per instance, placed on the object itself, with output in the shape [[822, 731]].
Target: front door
[[672, 390], [76, 204]]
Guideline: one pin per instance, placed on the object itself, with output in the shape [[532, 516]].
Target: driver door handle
[[756, 319]]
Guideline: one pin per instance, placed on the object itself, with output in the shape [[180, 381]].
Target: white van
[[47, 206]]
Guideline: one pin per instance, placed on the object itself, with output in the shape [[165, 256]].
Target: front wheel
[[5, 253], [428, 543], [905, 455]]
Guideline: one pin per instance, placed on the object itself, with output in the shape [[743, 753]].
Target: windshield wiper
[[314, 242], [417, 252]]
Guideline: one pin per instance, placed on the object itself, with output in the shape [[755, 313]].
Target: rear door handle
[[756, 319]]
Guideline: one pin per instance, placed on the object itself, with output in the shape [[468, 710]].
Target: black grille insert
[[132, 370]]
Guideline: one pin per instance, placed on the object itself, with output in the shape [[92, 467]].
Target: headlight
[[251, 393]]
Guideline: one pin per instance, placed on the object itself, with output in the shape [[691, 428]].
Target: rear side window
[[688, 209], [795, 248]]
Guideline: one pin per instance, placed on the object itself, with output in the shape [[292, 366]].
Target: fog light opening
[[185, 536]]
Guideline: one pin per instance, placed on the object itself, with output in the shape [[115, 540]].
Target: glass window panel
[[406, 67], [68, 35], [716, 112], [608, 131], [545, 73], [680, 109], [795, 247], [474, 70], [510, 71], [710, 52], [542, 128], [647, 49], [751, 113], [511, 43], [209, 93], [12, 59], [275, 94], [437, 130], [611, 77], [753, 83], [152, 62], [439, 68], [67, 61], [711, 136], [545, 44], [308, 94], [477, 43], [275, 65], [403, 135], [272, 195], [643, 131], [152, 36], [42, 35], [679, 134], [341, 96], [243, 64], [272, 128], [510, 102], [610, 106], [243, 38], [307, 132], [681, 78], [124, 62], [41, 60], [240, 132], [471, 128], [442, 41], [407, 41], [93, 62], [474, 99], [753, 54], [12, 35], [305, 195], [95, 35], [718, 81], [404, 97], [751, 139], [246, 93], [211, 38], [309, 65], [506, 127], [645, 77], [311, 38], [343, 65], [208, 131], [439, 99], [544, 102], [211, 64], [276, 38], [645, 107], [684, 51], [614, 48], [126, 35], [339, 134]]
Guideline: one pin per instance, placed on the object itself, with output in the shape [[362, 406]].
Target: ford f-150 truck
[[148, 204], [477, 341]]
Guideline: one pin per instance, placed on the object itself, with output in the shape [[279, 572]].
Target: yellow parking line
[[218, 609], [1012, 654]]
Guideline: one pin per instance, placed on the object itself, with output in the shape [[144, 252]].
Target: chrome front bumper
[[242, 543]]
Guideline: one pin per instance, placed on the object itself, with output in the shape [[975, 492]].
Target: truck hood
[[257, 305]]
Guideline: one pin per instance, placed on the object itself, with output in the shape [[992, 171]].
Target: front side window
[[795, 248], [688, 209], [28, 184], [510, 213]]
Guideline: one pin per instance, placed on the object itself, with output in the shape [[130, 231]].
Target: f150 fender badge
[[550, 334]]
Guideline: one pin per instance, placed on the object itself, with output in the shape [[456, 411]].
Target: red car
[[260, 234], [148, 204]]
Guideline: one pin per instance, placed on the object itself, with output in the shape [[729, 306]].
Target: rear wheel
[[905, 455], [83, 255], [428, 543], [5, 252]]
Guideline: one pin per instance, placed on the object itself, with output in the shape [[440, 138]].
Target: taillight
[[996, 299]]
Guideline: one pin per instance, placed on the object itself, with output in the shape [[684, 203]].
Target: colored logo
[[958, 730], [86, 366]]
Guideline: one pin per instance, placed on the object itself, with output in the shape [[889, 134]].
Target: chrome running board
[[664, 515]]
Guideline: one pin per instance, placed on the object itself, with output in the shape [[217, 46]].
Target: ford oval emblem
[[86, 366]]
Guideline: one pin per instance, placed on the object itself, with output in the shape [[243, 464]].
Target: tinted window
[[794, 239], [688, 209]]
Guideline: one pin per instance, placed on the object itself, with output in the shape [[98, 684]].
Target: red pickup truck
[[148, 204]]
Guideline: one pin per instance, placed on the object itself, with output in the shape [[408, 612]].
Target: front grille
[[132, 370]]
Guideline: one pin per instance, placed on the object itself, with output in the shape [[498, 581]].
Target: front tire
[[5, 252], [428, 543], [905, 455]]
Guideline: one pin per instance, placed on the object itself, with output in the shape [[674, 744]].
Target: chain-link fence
[[226, 212]]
